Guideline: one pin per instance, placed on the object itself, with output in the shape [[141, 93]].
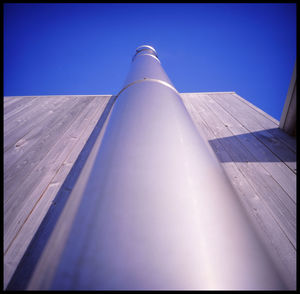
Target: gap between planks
[[277, 169], [91, 132], [280, 204], [277, 243], [256, 124], [49, 155]]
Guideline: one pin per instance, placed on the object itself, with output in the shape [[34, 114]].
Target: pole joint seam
[[146, 80]]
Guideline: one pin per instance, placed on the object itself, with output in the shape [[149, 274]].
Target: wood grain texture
[[46, 138], [64, 224], [279, 171], [256, 123], [13, 102], [286, 138], [23, 107], [16, 126], [26, 207], [17, 209], [264, 183], [283, 207]]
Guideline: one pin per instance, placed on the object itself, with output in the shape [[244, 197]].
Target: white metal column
[[157, 211]]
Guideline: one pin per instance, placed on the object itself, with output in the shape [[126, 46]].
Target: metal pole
[[157, 211]]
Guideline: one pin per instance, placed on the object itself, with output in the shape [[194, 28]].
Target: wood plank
[[273, 129], [11, 102], [45, 268], [21, 242], [276, 131], [32, 158], [25, 148], [276, 242], [39, 141], [48, 168], [277, 169], [29, 101], [264, 114], [91, 137], [268, 189], [44, 108], [16, 251], [20, 145], [21, 203], [14, 119], [255, 123], [236, 167], [14, 103]]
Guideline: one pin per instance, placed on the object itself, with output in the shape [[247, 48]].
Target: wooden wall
[[260, 161], [47, 140], [43, 137]]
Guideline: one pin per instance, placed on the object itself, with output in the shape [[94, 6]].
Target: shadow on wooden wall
[[260, 146], [30, 259]]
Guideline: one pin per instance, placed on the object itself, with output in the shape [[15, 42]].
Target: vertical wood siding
[[45, 135]]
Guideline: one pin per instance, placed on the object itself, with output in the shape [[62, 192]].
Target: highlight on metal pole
[[154, 209], [145, 49]]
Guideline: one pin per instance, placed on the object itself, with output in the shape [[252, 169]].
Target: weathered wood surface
[[261, 174], [259, 126], [53, 132], [46, 136]]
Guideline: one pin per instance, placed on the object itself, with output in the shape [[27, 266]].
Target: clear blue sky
[[52, 49]]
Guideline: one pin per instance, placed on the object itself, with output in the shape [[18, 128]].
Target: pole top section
[[147, 49]]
